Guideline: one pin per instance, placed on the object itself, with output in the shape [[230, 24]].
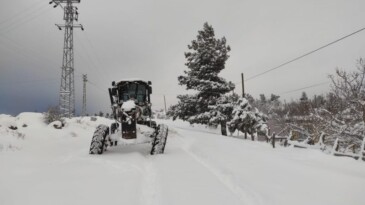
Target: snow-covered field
[[43, 165]]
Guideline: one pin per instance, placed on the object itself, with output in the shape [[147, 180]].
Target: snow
[[131, 80], [128, 105], [56, 124], [52, 166]]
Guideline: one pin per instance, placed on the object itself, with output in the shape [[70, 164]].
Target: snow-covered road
[[52, 166]]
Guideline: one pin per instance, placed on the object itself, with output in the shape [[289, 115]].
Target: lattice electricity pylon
[[84, 78], [67, 88]]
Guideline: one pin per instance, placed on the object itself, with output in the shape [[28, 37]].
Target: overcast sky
[[147, 39]]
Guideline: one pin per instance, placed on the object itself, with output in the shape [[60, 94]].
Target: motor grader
[[131, 109]]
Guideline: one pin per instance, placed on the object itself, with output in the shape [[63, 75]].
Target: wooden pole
[[243, 94], [164, 99], [243, 85]]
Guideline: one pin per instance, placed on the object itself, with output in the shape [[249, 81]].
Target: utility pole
[[243, 94], [164, 99], [84, 78], [67, 87], [243, 85]]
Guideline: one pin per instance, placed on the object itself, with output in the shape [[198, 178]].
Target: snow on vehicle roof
[[132, 79], [129, 105]]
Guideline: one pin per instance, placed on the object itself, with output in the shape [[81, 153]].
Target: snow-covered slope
[[50, 166]]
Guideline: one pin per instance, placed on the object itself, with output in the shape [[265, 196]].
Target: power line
[[13, 23], [304, 55], [23, 21], [95, 52], [96, 86], [299, 89], [25, 85], [283, 93], [28, 81], [90, 59], [22, 12], [25, 55]]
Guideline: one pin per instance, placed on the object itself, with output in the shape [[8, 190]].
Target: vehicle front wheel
[[98, 140]]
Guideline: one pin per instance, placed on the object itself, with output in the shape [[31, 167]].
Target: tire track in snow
[[150, 186], [245, 195], [144, 166]]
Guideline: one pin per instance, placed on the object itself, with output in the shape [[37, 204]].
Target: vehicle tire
[[98, 140], [159, 141]]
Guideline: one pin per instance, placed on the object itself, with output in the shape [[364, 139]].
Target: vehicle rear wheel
[[159, 141]]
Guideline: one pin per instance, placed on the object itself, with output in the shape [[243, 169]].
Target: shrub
[[53, 114]]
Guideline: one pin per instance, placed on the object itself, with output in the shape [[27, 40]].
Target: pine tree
[[248, 119], [262, 98], [304, 97], [205, 60], [274, 98]]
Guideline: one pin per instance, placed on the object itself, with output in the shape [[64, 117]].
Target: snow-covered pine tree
[[248, 119], [221, 112], [206, 58]]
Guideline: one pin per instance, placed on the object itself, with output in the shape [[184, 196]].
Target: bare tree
[[349, 86], [344, 113]]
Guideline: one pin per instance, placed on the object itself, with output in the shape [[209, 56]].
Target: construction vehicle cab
[[138, 90]]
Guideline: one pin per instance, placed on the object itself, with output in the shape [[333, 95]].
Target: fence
[[319, 143]]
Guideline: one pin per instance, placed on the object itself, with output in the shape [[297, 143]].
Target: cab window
[[141, 93], [133, 90]]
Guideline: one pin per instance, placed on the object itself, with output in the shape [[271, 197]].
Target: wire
[[97, 57], [304, 55], [299, 89], [25, 54], [28, 81], [22, 12], [25, 51], [96, 86], [25, 84], [13, 26], [95, 68]]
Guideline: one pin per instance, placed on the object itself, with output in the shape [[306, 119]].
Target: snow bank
[[7, 121], [15, 132], [29, 118], [12, 129]]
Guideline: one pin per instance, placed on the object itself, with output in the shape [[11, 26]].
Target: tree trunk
[[224, 128]]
